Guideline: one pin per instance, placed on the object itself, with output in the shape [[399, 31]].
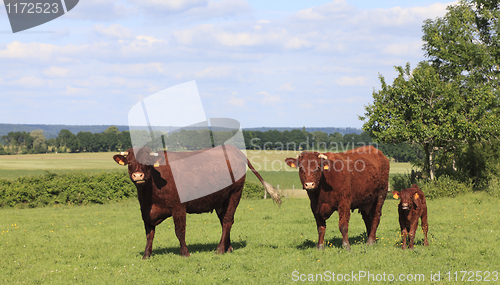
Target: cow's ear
[[395, 194], [160, 160], [120, 159], [416, 196], [292, 162], [326, 165]]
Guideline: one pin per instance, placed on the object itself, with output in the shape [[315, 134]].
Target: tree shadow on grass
[[333, 242], [197, 247]]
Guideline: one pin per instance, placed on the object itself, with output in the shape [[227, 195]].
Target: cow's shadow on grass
[[197, 247], [333, 242]]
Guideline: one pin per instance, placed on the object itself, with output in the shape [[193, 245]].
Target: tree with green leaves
[[39, 145], [464, 46], [418, 108], [454, 100]]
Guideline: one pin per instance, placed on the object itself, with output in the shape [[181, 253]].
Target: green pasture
[[103, 244], [269, 163]]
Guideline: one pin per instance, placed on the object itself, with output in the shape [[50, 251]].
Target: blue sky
[[264, 63]]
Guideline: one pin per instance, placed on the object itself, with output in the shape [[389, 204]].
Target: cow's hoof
[[146, 257], [370, 241], [346, 245], [321, 247]]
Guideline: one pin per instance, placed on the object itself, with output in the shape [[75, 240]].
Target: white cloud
[[287, 87], [114, 31], [217, 9], [56, 71], [169, 6], [29, 82], [76, 91], [212, 72], [102, 10], [266, 98], [309, 14], [237, 102], [403, 49], [305, 106], [351, 81]]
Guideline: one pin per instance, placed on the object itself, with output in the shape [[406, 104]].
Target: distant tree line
[[114, 140], [34, 142], [300, 140]]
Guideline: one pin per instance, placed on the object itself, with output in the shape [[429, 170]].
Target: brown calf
[[412, 207]]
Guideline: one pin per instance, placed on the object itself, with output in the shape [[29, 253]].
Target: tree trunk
[[432, 168], [429, 161]]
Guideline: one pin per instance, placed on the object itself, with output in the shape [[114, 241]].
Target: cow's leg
[[413, 230], [344, 216], [150, 234], [226, 223], [425, 227], [226, 218], [180, 230], [404, 233], [375, 213], [321, 224], [368, 221]]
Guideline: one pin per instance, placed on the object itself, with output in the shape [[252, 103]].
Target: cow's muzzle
[[309, 185], [138, 177], [404, 206]]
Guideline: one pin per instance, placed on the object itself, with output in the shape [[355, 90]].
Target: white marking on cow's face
[[138, 177], [309, 185]]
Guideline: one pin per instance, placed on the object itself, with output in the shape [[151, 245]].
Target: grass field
[[270, 163], [103, 244], [13, 166]]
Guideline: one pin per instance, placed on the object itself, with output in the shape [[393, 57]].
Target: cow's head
[[409, 198], [311, 166], [140, 164]]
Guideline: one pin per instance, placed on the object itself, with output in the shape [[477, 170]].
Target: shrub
[[252, 191], [494, 187], [443, 186], [67, 188], [401, 181], [79, 188]]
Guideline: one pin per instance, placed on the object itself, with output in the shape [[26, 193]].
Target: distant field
[[13, 166], [270, 163]]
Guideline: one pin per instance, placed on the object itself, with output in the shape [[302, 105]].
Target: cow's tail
[[269, 188]]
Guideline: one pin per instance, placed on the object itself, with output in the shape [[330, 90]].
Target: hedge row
[[443, 186], [78, 188], [67, 188]]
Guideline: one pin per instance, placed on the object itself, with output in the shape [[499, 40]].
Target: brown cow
[[159, 198], [412, 207], [356, 179]]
